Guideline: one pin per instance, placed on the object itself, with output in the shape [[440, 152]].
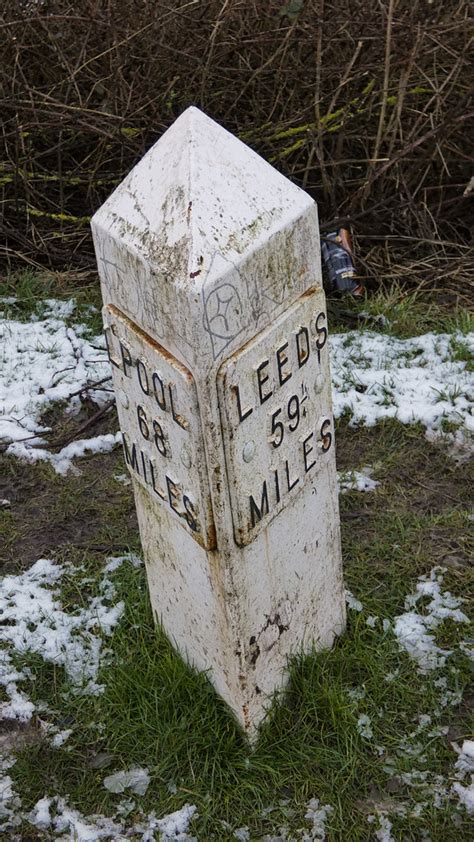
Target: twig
[[386, 80], [85, 426], [93, 385]]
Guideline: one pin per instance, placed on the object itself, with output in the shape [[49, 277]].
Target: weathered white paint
[[210, 268]]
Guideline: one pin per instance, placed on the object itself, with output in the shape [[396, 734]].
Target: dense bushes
[[365, 104]]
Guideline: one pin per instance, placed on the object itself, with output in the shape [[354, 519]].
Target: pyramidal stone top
[[192, 211]]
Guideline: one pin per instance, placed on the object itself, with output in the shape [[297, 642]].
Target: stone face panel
[[276, 420], [216, 325], [160, 421]]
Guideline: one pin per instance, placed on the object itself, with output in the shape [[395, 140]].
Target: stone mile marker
[[216, 327]]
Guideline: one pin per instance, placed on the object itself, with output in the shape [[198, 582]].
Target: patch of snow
[[352, 603], [415, 777], [40, 815], [383, 832], [9, 803], [44, 361], [114, 562], [448, 697], [137, 780], [54, 308], [124, 479], [175, 825], [356, 481], [242, 833], [413, 628], [356, 693], [33, 620], [62, 461], [60, 737], [55, 815], [364, 726], [465, 795], [465, 761], [125, 807], [467, 647], [414, 380], [318, 815]]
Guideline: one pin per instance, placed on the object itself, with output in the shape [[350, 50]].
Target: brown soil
[[92, 511], [424, 475]]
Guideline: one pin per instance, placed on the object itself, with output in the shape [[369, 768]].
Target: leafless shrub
[[365, 105]]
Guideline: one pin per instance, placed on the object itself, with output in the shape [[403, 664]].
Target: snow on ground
[[375, 376], [351, 601], [41, 362], [318, 815], [465, 768], [426, 609], [54, 815], [136, 780], [356, 481], [364, 726], [62, 461], [32, 620], [414, 629], [383, 829]]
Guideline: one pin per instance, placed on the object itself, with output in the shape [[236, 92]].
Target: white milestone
[[216, 326]]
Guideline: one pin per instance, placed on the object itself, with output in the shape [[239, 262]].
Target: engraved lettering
[[176, 417], [190, 514], [290, 485], [153, 482], [282, 359], [326, 435], [306, 451], [262, 378], [159, 390], [277, 486], [143, 377], [322, 334], [257, 513], [246, 412], [173, 493], [130, 459], [145, 476], [126, 358], [108, 342], [302, 346]]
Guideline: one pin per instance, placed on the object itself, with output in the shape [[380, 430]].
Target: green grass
[[395, 311], [30, 288], [156, 712]]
